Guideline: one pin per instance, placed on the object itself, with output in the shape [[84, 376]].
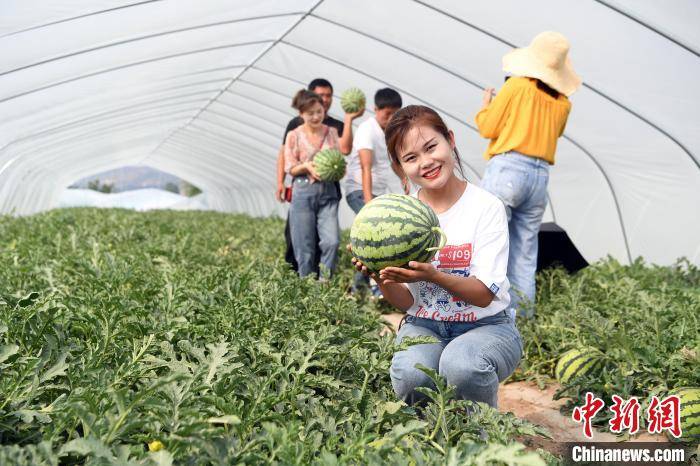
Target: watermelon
[[352, 100], [330, 164], [578, 363], [394, 229], [690, 414]]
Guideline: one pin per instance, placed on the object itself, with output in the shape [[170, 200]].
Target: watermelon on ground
[[394, 229], [690, 414], [578, 363], [330, 164]]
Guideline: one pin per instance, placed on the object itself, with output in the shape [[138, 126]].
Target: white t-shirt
[[369, 135], [477, 245]]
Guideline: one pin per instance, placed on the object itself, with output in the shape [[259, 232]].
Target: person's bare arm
[[366, 166], [280, 175], [467, 289], [345, 142]]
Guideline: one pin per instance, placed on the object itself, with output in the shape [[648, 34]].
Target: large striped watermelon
[[330, 164], [690, 414], [352, 100], [578, 363], [394, 229]]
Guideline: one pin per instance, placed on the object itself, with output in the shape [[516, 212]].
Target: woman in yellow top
[[523, 123]]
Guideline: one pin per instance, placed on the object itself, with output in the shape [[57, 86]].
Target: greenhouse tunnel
[[202, 90]]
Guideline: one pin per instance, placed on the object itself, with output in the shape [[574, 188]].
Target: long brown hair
[[304, 100], [414, 115]]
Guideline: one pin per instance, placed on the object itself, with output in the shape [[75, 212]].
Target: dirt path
[[527, 401]]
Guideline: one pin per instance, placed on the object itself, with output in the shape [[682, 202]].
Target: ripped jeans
[[473, 356]]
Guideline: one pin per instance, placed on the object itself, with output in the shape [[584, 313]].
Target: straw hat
[[546, 58]]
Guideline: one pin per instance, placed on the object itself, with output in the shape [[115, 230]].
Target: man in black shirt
[[324, 89]]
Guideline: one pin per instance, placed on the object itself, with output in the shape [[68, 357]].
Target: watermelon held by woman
[[690, 414], [394, 229], [577, 363], [330, 164], [352, 100]]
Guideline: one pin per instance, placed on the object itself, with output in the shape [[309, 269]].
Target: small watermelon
[[352, 100], [394, 229], [330, 164], [578, 363], [690, 414]]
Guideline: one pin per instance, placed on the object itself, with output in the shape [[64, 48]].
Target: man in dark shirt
[[324, 89]]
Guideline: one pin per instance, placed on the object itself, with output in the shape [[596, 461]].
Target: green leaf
[[217, 358], [85, 447], [161, 458], [29, 299], [513, 455], [412, 341], [56, 370], [7, 351], [229, 419], [28, 416], [392, 407]]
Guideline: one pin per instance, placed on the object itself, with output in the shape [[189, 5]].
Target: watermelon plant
[[643, 318], [183, 338]]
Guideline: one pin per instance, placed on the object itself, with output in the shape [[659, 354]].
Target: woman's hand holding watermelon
[[311, 170], [418, 272], [360, 267], [395, 293]]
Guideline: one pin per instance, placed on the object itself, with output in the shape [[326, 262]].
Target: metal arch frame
[[300, 82], [224, 103], [174, 157], [103, 116], [147, 37], [73, 18], [252, 112], [99, 126], [238, 75], [243, 138], [263, 104], [137, 92], [21, 190], [237, 120], [132, 64], [217, 151], [147, 61], [649, 26], [587, 86], [26, 165], [568, 138], [51, 159], [236, 181], [220, 146]]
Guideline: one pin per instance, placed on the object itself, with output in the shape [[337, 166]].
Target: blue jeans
[[356, 201], [473, 356], [313, 219], [520, 182]]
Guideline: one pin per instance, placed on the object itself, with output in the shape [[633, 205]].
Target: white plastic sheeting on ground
[[137, 199], [202, 88]]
